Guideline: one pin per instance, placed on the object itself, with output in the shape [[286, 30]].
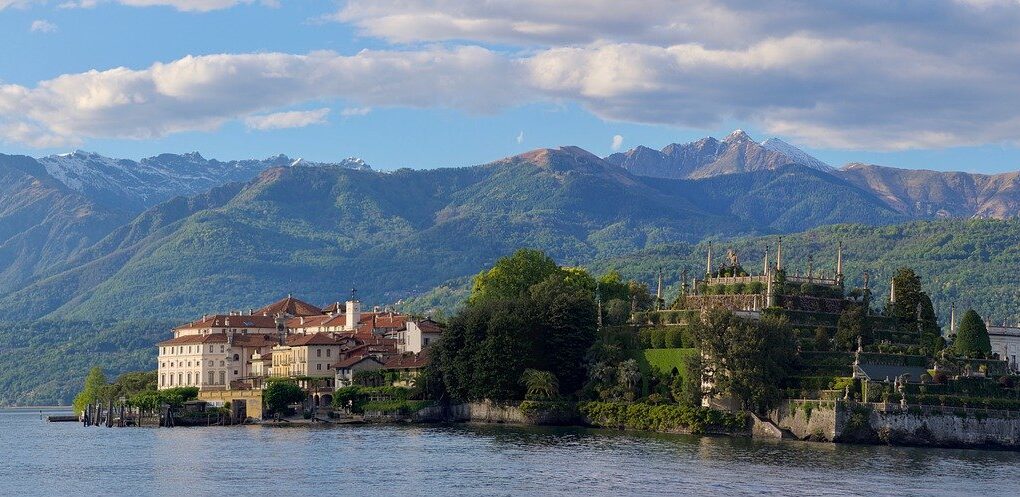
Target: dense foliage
[[45, 362], [972, 335], [747, 359], [665, 418], [543, 321], [280, 394]]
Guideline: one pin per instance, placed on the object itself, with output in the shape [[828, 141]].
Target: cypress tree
[[972, 335]]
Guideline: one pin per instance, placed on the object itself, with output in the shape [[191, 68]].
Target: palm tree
[[540, 385]]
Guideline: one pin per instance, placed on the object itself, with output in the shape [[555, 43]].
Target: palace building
[[320, 348]]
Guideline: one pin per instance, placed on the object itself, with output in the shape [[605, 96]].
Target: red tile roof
[[228, 321], [429, 326], [407, 361], [290, 305], [313, 339], [239, 340], [350, 361]]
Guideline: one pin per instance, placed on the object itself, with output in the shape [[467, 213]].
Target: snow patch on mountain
[[795, 154]]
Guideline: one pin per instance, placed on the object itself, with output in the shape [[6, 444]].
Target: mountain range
[[88, 239]]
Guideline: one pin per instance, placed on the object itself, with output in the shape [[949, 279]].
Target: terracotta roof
[[290, 305], [239, 340], [429, 326], [313, 339], [350, 361], [407, 361], [228, 321]]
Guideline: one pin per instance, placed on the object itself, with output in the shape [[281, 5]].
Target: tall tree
[[972, 335], [908, 295], [93, 391], [512, 276], [565, 328], [853, 323], [747, 359]]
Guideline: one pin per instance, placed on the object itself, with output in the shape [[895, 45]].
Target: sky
[[430, 83]]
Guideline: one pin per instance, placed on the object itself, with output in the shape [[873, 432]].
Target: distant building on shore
[[230, 356]]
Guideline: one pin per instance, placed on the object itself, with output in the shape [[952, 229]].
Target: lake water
[[41, 458]]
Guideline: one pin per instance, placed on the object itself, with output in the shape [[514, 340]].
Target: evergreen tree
[[93, 391], [908, 296], [853, 323], [972, 335]]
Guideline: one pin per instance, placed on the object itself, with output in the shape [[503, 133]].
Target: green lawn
[[664, 359]]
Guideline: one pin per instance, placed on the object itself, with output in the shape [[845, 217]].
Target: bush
[[666, 418], [674, 338]]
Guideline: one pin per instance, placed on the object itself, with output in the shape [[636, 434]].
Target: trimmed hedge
[[664, 418]]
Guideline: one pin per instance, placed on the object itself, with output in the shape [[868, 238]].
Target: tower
[[658, 292], [839, 263], [952, 319], [708, 268], [779, 255], [892, 291]]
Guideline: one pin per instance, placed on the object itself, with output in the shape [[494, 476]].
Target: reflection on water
[[66, 459]]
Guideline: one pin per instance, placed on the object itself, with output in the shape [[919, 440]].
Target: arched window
[[162, 380], [180, 379], [237, 357], [223, 377], [212, 377], [189, 377]]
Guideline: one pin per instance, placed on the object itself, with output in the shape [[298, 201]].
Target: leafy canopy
[[972, 336]]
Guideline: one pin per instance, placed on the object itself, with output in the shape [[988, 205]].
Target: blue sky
[[457, 83]]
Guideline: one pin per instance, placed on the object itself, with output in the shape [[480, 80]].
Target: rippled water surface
[[41, 458]]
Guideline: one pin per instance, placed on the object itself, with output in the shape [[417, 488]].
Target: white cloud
[[520, 137], [355, 111], [617, 142], [202, 93], [42, 26], [182, 5], [832, 74], [283, 120]]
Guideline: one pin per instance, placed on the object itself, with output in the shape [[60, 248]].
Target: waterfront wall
[[810, 420], [835, 421], [490, 412], [956, 429]]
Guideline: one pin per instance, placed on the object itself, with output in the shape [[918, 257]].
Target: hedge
[[665, 418]]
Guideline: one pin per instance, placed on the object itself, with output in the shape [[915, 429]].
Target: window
[[171, 379], [235, 372], [328, 352], [189, 377], [223, 377], [162, 380], [426, 341], [237, 357], [318, 352], [212, 363], [212, 377], [318, 366], [223, 363], [180, 379]]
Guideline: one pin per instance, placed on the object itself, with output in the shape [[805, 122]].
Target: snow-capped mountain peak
[[795, 154]]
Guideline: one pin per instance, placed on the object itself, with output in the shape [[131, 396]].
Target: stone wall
[[490, 412], [966, 428], [836, 421], [809, 420]]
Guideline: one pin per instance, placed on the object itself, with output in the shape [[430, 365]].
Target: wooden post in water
[[109, 415]]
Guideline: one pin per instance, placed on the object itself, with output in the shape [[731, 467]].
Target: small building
[[417, 335], [1006, 343], [347, 368], [405, 368]]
